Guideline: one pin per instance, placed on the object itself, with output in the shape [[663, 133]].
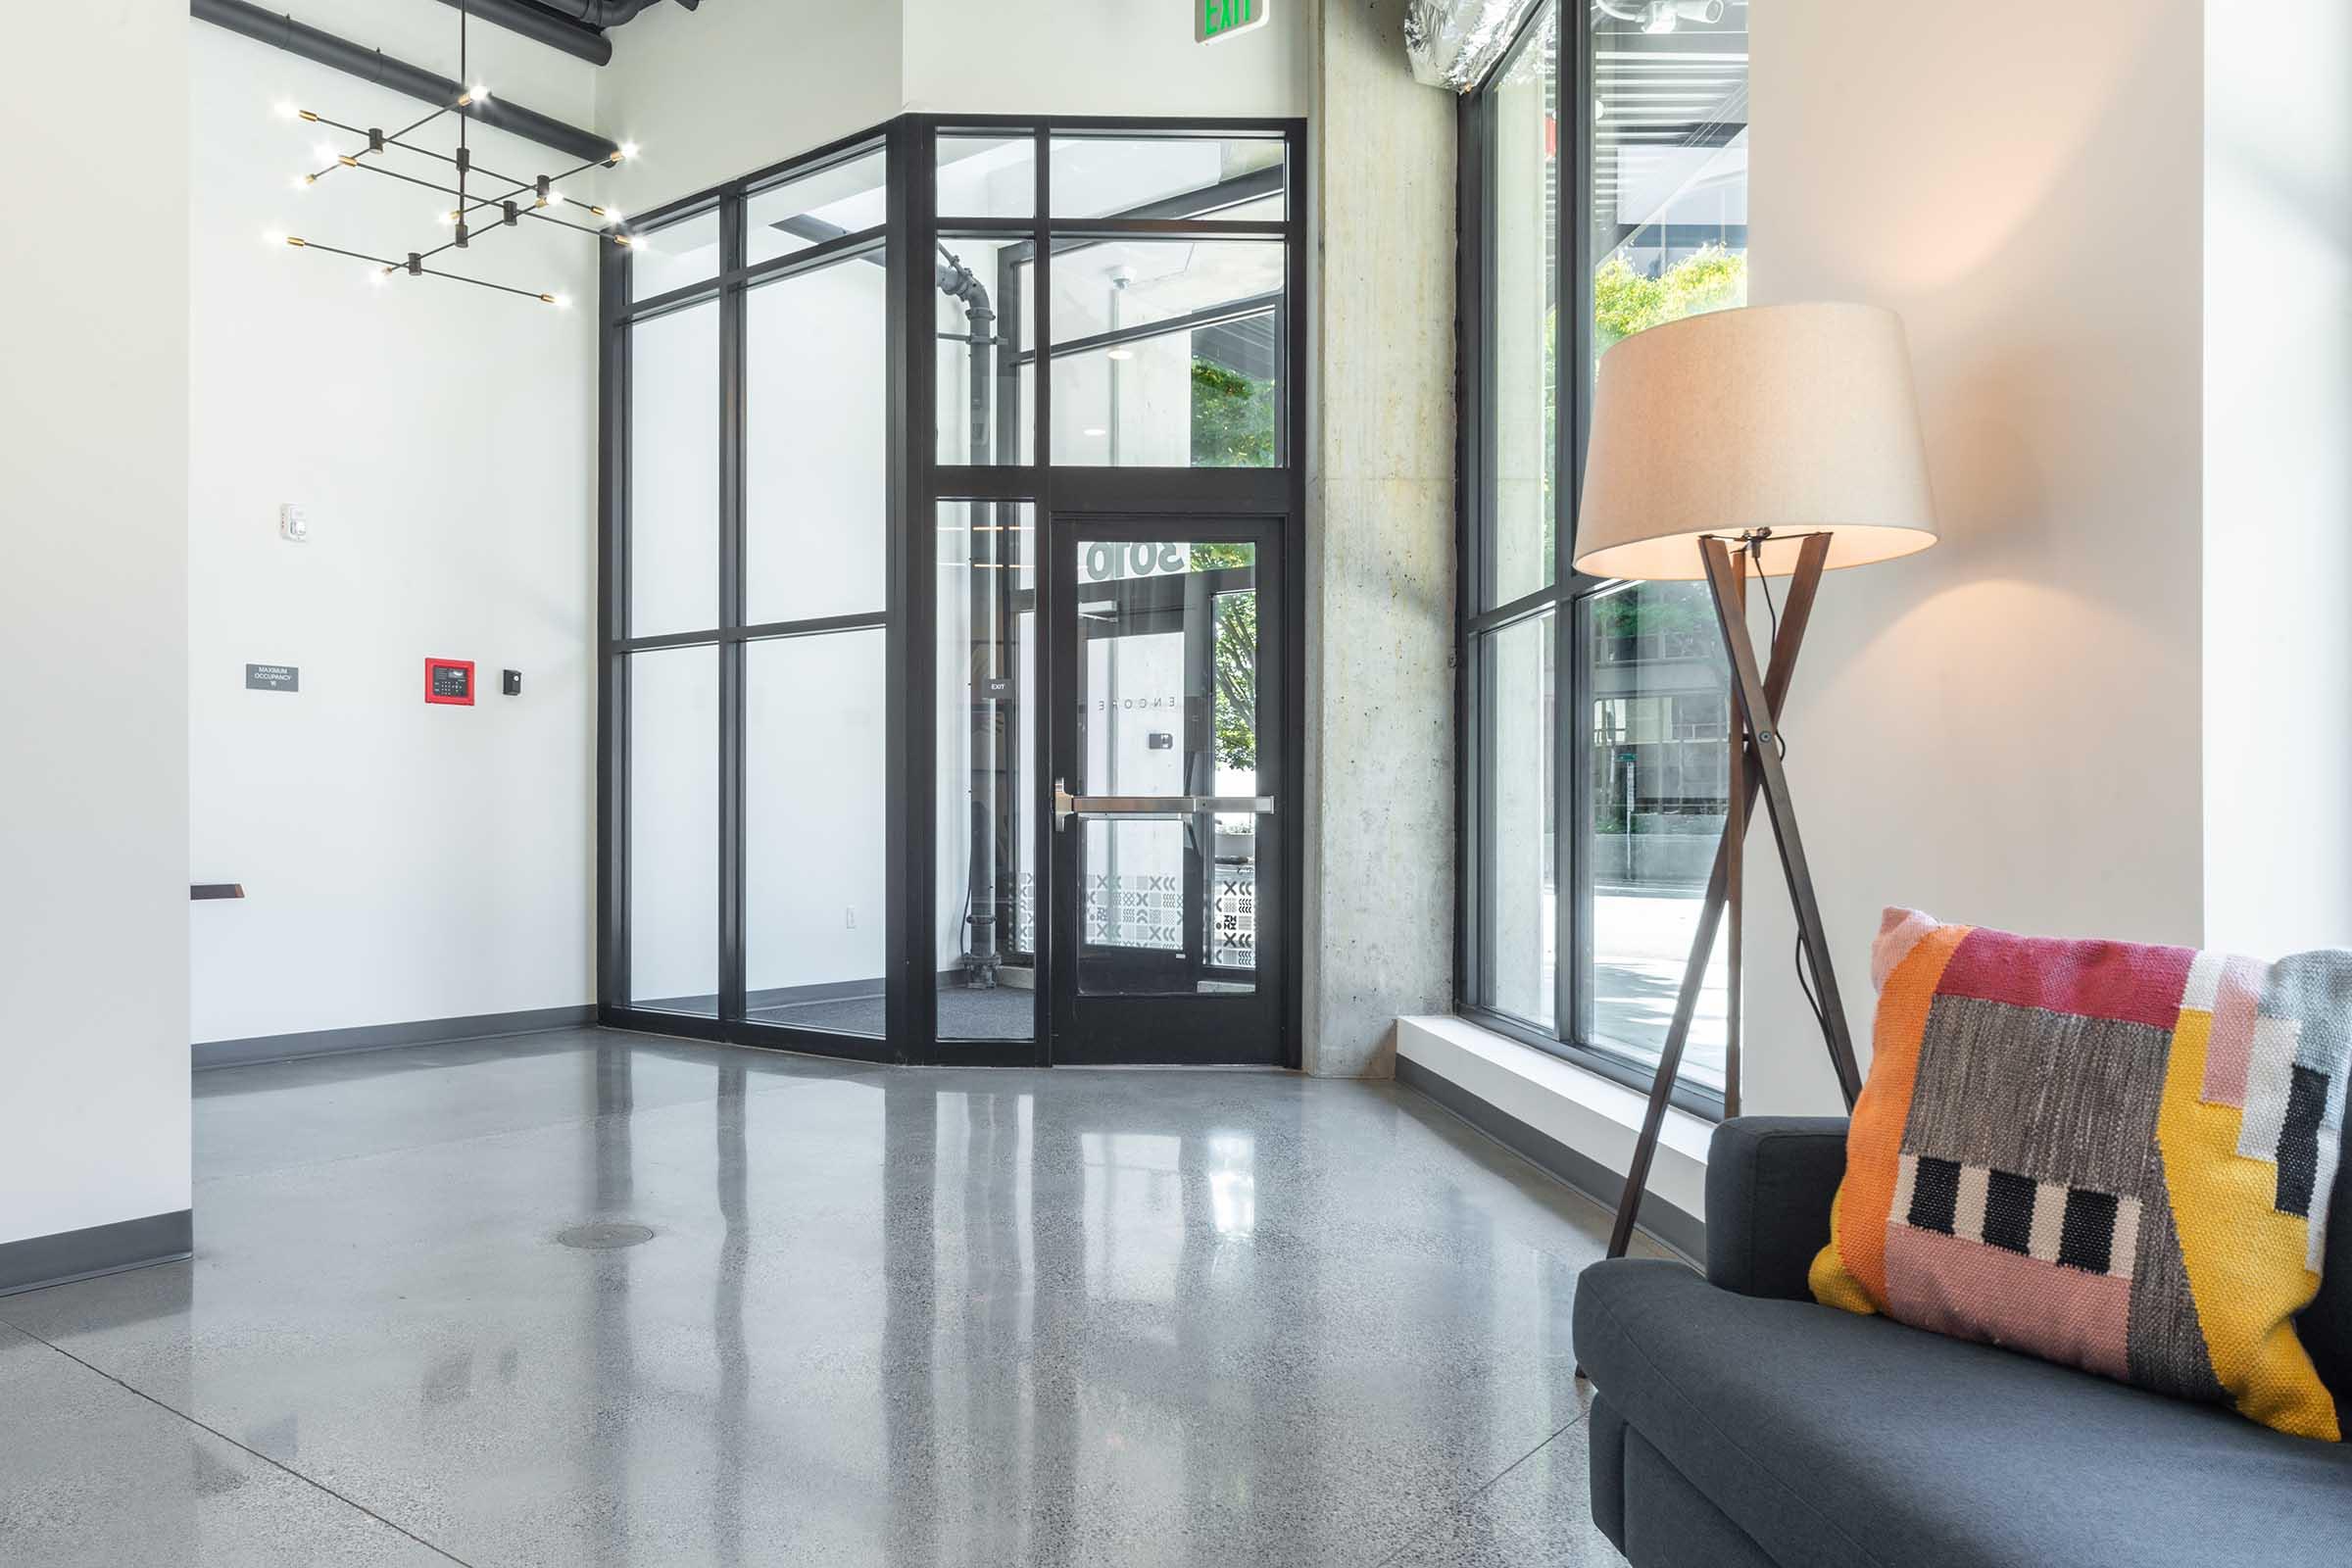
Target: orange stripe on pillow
[[1874, 1145]]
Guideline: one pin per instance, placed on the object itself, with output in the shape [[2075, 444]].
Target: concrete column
[[1379, 566]]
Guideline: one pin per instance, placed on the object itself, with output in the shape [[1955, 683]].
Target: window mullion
[[731, 707]]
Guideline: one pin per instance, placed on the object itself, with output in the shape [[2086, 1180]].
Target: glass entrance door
[[1166, 809]]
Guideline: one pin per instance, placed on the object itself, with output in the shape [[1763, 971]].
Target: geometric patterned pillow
[[2105, 1155]]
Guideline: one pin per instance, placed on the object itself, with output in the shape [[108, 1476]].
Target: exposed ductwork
[[574, 27], [579, 41], [607, 13], [373, 64]]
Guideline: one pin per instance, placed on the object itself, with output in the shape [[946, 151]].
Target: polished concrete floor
[[1002, 1013], [871, 1316]]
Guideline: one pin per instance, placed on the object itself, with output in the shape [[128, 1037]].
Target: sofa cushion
[[1835, 1438], [2114, 1155]]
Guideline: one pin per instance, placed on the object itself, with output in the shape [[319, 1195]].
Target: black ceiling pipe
[[576, 27], [373, 64], [576, 39], [603, 12]]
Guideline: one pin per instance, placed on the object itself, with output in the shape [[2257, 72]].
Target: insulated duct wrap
[[1453, 44]]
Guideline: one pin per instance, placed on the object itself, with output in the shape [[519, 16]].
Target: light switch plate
[[293, 523]]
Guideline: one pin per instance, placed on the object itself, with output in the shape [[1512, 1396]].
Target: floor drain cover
[[603, 1235]]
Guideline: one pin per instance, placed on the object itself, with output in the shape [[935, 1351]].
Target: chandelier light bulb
[[480, 92], [628, 149], [323, 153], [555, 198], [305, 182], [276, 236], [284, 109]]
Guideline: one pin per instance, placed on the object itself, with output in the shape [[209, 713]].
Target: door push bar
[[1068, 805]]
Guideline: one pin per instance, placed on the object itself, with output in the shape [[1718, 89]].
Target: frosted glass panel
[[816, 444], [674, 830], [673, 472], [814, 915]]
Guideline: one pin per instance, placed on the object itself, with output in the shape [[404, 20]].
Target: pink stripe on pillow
[[1974, 1292], [2120, 980], [2230, 1044], [1899, 931]]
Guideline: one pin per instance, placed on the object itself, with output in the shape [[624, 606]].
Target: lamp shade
[[1797, 419]]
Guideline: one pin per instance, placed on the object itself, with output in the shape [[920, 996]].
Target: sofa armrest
[[1770, 1183]]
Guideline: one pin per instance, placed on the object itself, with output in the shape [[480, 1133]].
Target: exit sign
[[1213, 19]]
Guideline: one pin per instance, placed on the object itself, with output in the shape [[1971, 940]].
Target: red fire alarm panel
[[449, 680]]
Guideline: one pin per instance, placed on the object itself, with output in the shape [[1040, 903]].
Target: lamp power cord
[[1801, 955]]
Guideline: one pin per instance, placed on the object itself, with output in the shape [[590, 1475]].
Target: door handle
[[1068, 805]]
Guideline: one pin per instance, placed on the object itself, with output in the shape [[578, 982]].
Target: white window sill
[[1597, 1117]]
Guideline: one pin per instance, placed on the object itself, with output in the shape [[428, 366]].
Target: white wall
[[2004, 730], [93, 623], [401, 861], [1108, 57], [2277, 476], [733, 86]]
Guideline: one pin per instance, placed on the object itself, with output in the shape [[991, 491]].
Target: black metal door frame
[[1251, 1027]]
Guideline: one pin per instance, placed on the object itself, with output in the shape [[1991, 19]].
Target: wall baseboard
[[39, 1261], [1664, 1221], [383, 1036]]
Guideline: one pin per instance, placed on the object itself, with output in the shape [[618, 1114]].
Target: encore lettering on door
[[1109, 562]]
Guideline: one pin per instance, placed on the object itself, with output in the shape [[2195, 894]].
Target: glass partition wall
[[857, 409]]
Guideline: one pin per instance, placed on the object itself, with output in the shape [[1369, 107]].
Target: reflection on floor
[[883, 1317], [1003, 1012]]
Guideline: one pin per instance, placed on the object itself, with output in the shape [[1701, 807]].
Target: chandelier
[[480, 209]]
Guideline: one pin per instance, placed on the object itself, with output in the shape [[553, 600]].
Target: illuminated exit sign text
[[1213, 19]]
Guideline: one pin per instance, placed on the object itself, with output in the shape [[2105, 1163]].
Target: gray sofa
[[1736, 1424]]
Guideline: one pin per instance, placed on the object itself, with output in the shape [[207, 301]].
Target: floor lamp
[[1782, 440]]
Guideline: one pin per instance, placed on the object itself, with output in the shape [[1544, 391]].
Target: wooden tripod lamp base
[[1756, 767]]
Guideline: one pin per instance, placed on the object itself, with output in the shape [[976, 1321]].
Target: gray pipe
[[373, 64], [983, 953], [577, 30], [577, 38], [606, 13]]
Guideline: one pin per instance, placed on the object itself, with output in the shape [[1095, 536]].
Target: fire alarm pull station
[[449, 680]]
